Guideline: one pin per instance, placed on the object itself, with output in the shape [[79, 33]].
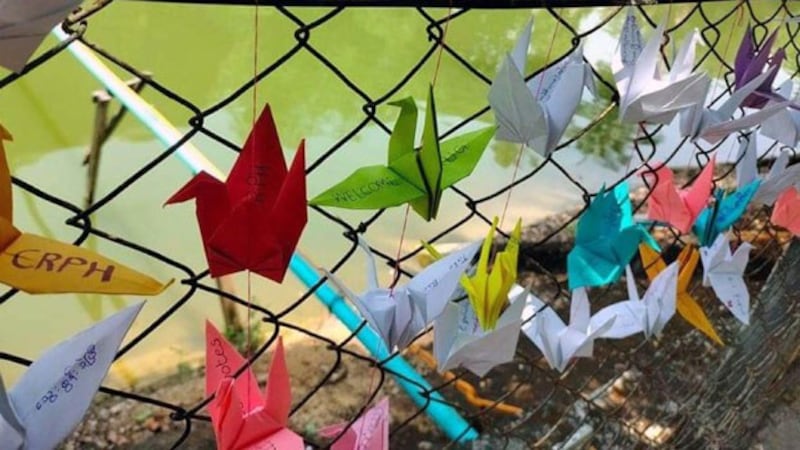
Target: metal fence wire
[[680, 390]]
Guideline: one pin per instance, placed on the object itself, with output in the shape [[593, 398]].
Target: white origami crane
[[24, 24], [459, 340], [559, 343], [784, 126], [713, 125], [537, 113], [723, 272], [52, 396], [399, 314], [780, 177], [647, 94], [648, 314]]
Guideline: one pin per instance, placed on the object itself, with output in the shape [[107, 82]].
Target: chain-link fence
[[681, 389]]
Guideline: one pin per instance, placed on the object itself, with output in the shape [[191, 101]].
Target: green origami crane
[[413, 175]]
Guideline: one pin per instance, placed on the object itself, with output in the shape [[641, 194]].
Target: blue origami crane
[[725, 211], [606, 240]]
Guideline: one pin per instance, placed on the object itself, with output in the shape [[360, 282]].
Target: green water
[[204, 53]]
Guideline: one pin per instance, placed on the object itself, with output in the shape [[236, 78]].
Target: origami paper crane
[[537, 113], [725, 211], [786, 212], [784, 126], [648, 314], [368, 432], [723, 272], [399, 314], [243, 419], [54, 393], [25, 24], [558, 342], [39, 265], [488, 289], [714, 125], [254, 219], [606, 239], [781, 176], [750, 63], [460, 340], [678, 208], [414, 176], [647, 93], [687, 306]]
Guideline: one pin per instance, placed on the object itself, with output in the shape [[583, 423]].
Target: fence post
[[729, 406]]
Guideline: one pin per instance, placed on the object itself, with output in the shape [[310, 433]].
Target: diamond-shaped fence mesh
[[330, 70]]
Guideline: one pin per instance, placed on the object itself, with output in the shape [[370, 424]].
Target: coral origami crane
[[39, 265], [242, 417], [399, 314], [723, 270], [368, 432], [54, 393], [678, 208], [416, 176], [647, 94], [605, 240], [254, 219], [558, 342], [751, 62], [648, 314], [538, 112], [687, 306], [786, 212], [25, 24]]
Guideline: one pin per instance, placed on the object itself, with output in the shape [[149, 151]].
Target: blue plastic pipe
[[445, 417]]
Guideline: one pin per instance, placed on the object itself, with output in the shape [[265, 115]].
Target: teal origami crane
[[413, 175], [606, 240], [725, 211]]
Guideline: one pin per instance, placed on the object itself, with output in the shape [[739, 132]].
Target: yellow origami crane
[[39, 265], [488, 290], [687, 306]]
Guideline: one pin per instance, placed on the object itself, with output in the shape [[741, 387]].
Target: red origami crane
[[254, 219], [675, 207], [242, 417]]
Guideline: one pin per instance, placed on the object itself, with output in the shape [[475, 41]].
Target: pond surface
[[204, 53]]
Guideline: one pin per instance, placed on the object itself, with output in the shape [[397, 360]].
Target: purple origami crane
[[751, 62]]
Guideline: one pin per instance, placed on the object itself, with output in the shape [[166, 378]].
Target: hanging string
[[522, 146]]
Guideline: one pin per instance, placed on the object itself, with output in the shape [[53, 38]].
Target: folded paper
[[648, 314], [687, 306], [39, 265], [606, 239], [781, 175], [243, 418], [723, 270], [416, 176], [368, 432], [714, 125], [25, 25], [725, 211], [487, 289], [786, 212], [460, 341], [558, 342], [751, 62], [54, 393], [538, 112], [647, 93], [254, 219], [400, 313], [678, 207], [784, 126]]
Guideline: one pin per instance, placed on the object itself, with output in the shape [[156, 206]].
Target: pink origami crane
[[678, 208], [368, 432], [786, 212], [243, 419]]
